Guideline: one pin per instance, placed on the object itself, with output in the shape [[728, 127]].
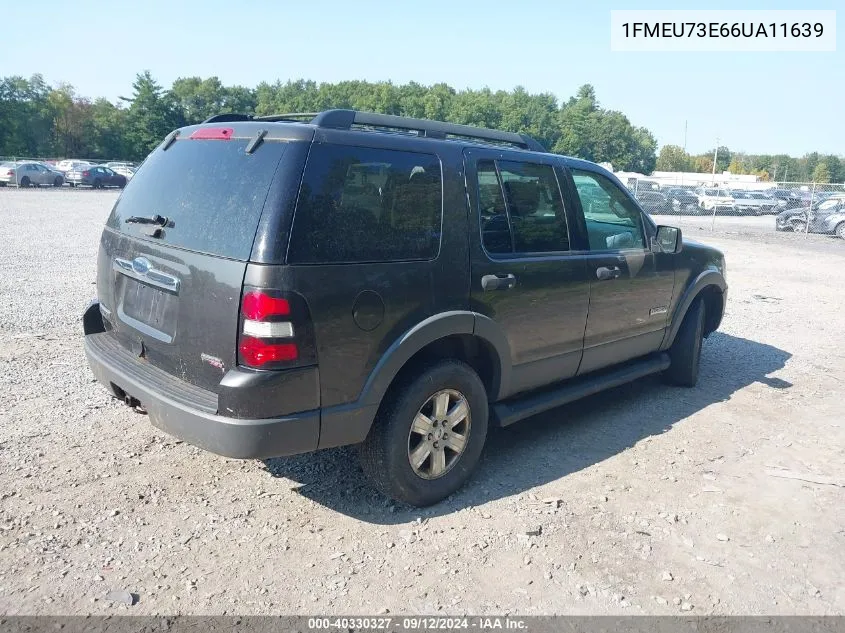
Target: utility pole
[[715, 158], [685, 136]]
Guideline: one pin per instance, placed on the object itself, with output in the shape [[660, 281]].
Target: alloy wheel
[[439, 434]]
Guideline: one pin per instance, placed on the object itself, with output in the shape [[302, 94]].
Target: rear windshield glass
[[212, 193]]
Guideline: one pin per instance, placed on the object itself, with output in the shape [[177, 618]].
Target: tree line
[[812, 167], [38, 120]]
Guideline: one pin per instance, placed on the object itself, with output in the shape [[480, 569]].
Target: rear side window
[[360, 204], [521, 208], [212, 192]]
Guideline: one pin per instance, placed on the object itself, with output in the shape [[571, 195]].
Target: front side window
[[613, 221], [520, 208], [359, 204]]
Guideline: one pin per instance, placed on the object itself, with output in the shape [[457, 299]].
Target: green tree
[[152, 115], [673, 158], [834, 167], [821, 173], [198, 98]]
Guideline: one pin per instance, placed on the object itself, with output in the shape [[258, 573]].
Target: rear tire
[[24, 182], [395, 438], [97, 184], [685, 352]]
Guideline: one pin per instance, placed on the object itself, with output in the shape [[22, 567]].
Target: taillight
[[85, 174], [275, 330], [10, 173]]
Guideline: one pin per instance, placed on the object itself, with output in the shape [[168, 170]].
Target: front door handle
[[498, 282], [606, 273]]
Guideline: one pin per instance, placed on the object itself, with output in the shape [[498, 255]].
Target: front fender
[[707, 278]]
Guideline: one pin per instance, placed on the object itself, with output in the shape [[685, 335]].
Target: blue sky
[[756, 102]]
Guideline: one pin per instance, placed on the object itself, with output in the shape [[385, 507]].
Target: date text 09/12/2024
[[420, 623]]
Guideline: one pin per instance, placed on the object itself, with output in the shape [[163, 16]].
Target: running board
[[508, 412]]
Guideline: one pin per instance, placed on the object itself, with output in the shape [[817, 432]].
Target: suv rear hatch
[[175, 248]]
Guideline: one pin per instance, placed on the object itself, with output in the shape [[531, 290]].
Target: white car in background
[[68, 164], [124, 170], [710, 198]]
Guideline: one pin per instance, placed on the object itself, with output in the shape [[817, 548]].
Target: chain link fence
[[727, 203]]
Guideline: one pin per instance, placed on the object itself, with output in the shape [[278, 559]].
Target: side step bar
[[508, 412]]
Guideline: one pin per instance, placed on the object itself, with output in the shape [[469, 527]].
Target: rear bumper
[[190, 414]]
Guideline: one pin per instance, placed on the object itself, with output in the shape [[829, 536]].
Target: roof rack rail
[[227, 117], [345, 119], [291, 116]]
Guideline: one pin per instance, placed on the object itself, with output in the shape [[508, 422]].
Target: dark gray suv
[[275, 285]]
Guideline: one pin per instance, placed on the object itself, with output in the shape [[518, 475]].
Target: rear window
[[212, 193], [360, 204]]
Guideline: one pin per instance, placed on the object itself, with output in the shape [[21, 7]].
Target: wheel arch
[[466, 336], [711, 287]]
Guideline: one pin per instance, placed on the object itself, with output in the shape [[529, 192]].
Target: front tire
[[685, 352], [57, 182], [428, 435], [840, 230]]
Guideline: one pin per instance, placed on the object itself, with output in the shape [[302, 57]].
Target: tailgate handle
[[141, 270]]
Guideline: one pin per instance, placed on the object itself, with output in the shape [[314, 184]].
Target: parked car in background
[[826, 217], [653, 201], [119, 163], [69, 164], [96, 176], [754, 202], [124, 170], [681, 200], [29, 174], [640, 186], [785, 198], [711, 198]]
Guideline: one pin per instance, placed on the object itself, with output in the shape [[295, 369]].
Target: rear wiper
[[140, 219]]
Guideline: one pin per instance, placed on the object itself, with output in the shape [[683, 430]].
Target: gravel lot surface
[[646, 499]]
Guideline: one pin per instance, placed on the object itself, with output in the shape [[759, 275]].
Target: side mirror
[[669, 239]]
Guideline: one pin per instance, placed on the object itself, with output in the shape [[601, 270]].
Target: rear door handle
[[606, 273], [498, 282]]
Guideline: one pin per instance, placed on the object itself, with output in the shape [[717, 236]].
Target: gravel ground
[[646, 499]]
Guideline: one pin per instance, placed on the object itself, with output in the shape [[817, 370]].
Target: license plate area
[[149, 309]]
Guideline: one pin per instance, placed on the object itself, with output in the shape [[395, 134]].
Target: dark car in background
[[653, 201], [95, 176], [786, 199], [681, 200], [826, 217]]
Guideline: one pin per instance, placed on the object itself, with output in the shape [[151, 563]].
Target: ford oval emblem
[[141, 265]]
